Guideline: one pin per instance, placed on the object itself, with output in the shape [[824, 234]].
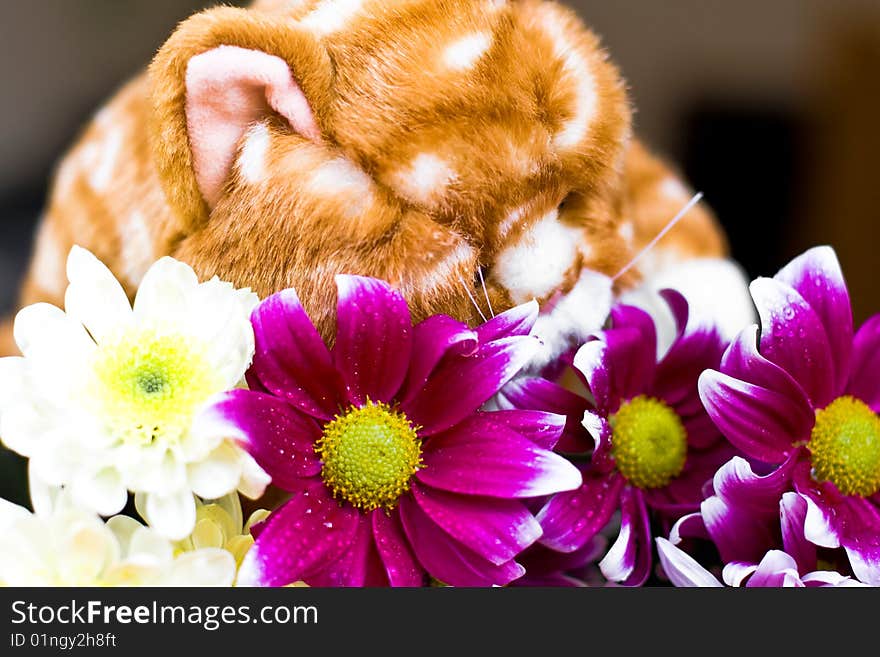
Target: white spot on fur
[[67, 173], [466, 52], [513, 218], [446, 269], [252, 161], [48, 267], [137, 248], [426, 177], [330, 16], [100, 176], [627, 232], [674, 190], [104, 117], [537, 264], [575, 129], [495, 5], [572, 317], [341, 176]]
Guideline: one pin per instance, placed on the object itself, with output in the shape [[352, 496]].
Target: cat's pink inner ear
[[228, 89]]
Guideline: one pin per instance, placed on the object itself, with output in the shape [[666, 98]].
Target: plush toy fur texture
[[424, 142]]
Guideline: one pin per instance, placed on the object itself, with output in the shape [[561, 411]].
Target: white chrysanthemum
[[106, 396], [71, 547], [220, 524]]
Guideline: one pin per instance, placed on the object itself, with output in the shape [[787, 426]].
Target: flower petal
[[761, 422], [401, 565], [618, 366], [220, 317], [373, 338], [447, 560], [571, 519], [254, 479], [776, 569], [689, 526], [10, 513], [358, 566], [793, 516], [623, 316], [681, 569], [204, 567], [497, 530], [817, 277], [849, 521], [517, 321], [735, 573], [543, 429], [165, 291], [793, 337], [173, 515], [695, 349], [57, 351], [629, 559], [540, 394], [217, 474], [85, 550], [279, 438], [601, 432], [829, 578], [433, 338], [743, 361], [461, 384], [305, 535], [480, 457], [94, 297], [863, 382], [291, 360], [102, 491], [743, 516]]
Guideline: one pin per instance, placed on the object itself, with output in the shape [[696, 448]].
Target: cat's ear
[[220, 72], [228, 89]]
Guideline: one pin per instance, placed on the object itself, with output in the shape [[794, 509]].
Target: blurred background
[[770, 107]]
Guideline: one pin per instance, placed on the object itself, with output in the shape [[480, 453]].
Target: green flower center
[[147, 385], [370, 455], [845, 447], [649, 442]]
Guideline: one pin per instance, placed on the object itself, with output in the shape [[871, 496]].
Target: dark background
[[769, 106]]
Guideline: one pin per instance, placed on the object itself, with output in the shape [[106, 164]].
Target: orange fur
[[455, 135]]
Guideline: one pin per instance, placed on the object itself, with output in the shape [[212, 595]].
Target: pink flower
[[396, 474], [655, 447], [802, 400]]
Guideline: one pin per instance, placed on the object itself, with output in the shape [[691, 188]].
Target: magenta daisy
[[805, 397], [655, 447], [775, 569], [396, 475]]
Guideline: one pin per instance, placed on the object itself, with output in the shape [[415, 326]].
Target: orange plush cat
[[430, 143]]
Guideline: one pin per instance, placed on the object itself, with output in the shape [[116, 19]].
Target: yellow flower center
[[148, 385], [649, 442], [370, 454], [845, 447]]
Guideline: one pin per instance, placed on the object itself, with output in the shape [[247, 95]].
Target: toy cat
[[436, 144]]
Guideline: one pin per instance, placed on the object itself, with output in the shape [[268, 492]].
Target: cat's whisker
[[471, 297], [485, 292], [669, 226]]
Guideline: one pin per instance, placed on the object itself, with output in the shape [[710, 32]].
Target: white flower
[[67, 546], [106, 397], [220, 524]]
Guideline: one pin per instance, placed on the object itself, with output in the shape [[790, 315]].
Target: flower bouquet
[[201, 436]]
